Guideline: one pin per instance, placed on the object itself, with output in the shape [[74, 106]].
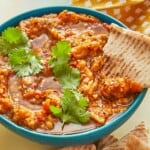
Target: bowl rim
[[56, 9], [101, 131]]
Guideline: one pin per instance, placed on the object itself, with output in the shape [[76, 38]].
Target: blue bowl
[[78, 138]]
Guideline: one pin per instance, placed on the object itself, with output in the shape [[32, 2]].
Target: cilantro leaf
[[61, 49], [72, 105], [83, 102], [24, 62], [12, 38], [5, 47], [72, 110], [70, 78], [13, 35], [68, 118], [56, 111], [67, 76]]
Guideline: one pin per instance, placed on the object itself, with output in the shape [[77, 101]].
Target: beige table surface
[[11, 141]]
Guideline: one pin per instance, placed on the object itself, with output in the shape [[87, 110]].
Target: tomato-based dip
[[26, 100]]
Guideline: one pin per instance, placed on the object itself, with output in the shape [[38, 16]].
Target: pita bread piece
[[108, 140], [80, 147], [139, 131], [134, 143], [127, 54]]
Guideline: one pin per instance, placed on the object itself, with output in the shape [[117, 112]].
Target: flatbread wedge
[[80, 147], [139, 131], [134, 143], [108, 140], [127, 54]]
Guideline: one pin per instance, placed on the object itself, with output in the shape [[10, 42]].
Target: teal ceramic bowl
[[78, 138]]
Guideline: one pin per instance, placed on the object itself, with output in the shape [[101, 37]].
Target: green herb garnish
[[12, 38], [67, 76], [23, 61], [13, 35], [5, 48], [73, 109], [73, 103]]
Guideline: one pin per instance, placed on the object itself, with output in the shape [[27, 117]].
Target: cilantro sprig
[[73, 103], [72, 110], [67, 76], [15, 45], [24, 62], [13, 35], [12, 38]]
